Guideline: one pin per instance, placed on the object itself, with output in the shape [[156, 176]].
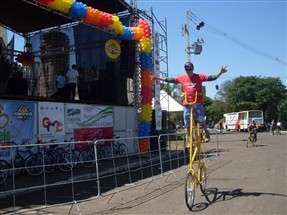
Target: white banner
[[88, 116], [157, 106], [51, 121]]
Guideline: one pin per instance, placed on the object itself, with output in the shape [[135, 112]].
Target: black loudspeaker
[[163, 140], [17, 86], [115, 91], [112, 69], [121, 91], [128, 60], [109, 91]]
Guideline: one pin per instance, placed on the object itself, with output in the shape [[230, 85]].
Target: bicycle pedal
[[206, 140]]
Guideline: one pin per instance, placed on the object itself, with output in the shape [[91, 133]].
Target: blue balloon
[[78, 10]]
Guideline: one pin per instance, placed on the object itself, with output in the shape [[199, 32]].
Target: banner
[[51, 122], [157, 105], [91, 134], [88, 116], [17, 125]]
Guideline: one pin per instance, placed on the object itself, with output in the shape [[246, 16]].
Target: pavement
[[240, 181]]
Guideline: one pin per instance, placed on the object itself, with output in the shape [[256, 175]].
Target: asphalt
[[240, 181]]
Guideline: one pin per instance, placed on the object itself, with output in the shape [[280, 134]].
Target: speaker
[[163, 140], [121, 91], [109, 91], [17, 86], [112, 69], [127, 60]]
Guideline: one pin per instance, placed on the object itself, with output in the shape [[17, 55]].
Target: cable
[[233, 39]]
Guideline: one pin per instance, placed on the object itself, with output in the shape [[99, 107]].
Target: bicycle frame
[[196, 158], [196, 149], [250, 138]]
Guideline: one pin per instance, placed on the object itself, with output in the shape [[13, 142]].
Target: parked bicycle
[[16, 167], [19, 158], [4, 171], [111, 148], [250, 138], [44, 159], [71, 157]]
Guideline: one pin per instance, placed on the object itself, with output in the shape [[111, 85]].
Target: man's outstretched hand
[[224, 69]]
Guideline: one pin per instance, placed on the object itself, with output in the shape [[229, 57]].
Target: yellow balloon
[[115, 18], [61, 5]]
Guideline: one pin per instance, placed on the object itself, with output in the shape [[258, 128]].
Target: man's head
[[74, 66], [188, 66]]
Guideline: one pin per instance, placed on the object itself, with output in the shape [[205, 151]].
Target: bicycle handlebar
[[186, 100]]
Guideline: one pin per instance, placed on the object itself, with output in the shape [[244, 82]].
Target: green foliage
[[251, 92], [214, 109]]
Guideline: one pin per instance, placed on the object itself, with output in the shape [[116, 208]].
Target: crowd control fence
[[67, 173]]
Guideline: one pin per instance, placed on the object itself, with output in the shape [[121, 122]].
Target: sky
[[256, 26], [248, 36]]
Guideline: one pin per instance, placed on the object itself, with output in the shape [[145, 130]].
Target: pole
[[187, 39]]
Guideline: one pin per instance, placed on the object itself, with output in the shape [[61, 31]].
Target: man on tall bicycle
[[192, 86]]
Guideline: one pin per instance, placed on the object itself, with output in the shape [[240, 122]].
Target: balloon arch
[[141, 33]]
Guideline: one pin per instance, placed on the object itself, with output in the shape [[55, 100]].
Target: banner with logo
[[17, 125], [51, 122], [112, 49], [88, 116], [92, 134]]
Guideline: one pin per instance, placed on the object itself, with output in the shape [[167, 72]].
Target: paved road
[[241, 181]]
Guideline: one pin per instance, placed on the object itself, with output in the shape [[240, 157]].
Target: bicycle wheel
[[189, 190], [87, 159], [4, 171], [107, 151], [122, 149], [19, 166], [34, 165], [203, 179], [64, 162], [100, 151], [252, 140], [248, 140], [49, 161]]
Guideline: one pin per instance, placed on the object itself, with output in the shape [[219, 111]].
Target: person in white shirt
[[278, 125], [60, 84], [72, 80]]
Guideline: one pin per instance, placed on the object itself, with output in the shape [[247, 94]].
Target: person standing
[[60, 84], [72, 80], [278, 127], [192, 86], [272, 127]]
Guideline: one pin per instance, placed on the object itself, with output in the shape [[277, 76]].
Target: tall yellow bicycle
[[196, 174]]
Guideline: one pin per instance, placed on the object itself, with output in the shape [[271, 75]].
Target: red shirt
[[190, 85]]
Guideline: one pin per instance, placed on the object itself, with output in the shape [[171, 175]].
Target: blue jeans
[[199, 114]]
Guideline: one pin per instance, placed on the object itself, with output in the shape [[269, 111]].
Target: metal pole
[[187, 38]]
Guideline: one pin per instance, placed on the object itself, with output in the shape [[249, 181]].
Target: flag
[[10, 47]]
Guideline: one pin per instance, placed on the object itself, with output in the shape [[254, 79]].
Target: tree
[[214, 109], [251, 92]]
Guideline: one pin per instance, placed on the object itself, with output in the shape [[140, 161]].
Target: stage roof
[[24, 16]]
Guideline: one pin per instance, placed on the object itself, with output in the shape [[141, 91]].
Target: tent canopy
[[168, 103], [24, 16]]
